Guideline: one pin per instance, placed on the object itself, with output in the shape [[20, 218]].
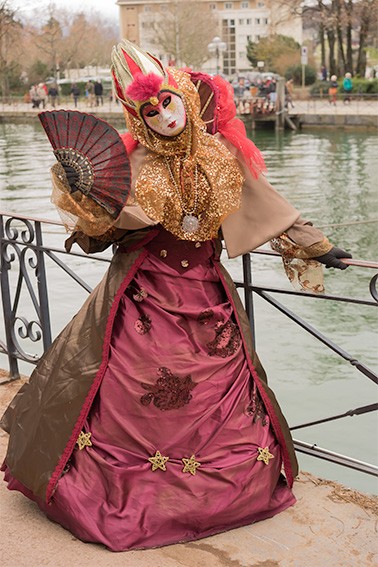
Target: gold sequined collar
[[193, 163]]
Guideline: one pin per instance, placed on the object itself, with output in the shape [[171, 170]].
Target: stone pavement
[[330, 526]]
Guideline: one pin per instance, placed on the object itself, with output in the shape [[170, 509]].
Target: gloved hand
[[331, 259]]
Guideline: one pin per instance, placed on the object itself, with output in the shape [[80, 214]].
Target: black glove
[[331, 259]]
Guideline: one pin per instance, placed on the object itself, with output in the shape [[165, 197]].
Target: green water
[[331, 177]]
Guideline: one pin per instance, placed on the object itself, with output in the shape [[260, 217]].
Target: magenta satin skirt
[[178, 391]]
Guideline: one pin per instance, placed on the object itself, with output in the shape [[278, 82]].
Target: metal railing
[[263, 107], [255, 105], [22, 248]]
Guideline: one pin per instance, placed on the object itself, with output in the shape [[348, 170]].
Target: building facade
[[237, 21]]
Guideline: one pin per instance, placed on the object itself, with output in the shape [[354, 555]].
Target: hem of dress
[[195, 537]]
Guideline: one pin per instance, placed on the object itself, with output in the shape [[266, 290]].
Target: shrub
[[295, 72]]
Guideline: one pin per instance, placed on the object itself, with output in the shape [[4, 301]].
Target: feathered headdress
[[138, 77]]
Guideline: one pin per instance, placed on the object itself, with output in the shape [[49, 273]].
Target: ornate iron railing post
[[248, 295], [16, 243], [42, 288], [5, 266]]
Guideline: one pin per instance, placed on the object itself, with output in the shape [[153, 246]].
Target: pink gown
[[178, 382]]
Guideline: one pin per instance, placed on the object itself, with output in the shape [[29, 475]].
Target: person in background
[[332, 90], [34, 96], [272, 93], [89, 89], [75, 91], [289, 89], [98, 91], [53, 95], [347, 87], [240, 95], [323, 73], [42, 94]]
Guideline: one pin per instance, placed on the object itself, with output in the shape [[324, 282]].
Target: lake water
[[331, 176]]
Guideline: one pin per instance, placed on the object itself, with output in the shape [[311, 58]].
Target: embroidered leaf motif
[[169, 392]]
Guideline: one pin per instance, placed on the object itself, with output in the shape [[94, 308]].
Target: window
[[228, 5], [241, 22], [213, 6], [265, 20], [232, 22], [249, 38], [260, 4], [147, 8], [257, 21], [245, 5], [249, 21]]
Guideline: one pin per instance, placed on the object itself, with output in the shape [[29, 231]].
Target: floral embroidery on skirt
[[143, 324], [169, 392], [227, 340]]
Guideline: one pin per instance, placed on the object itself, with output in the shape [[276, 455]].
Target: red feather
[[144, 86]]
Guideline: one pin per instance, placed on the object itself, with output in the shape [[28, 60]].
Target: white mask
[[168, 117]]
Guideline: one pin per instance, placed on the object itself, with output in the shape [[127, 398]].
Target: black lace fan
[[92, 154]]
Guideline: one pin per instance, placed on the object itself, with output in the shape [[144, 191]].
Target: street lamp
[[217, 46]]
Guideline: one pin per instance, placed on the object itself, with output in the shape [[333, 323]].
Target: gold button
[[184, 263], [197, 245], [163, 253]]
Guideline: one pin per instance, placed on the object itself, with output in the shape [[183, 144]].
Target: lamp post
[[217, 46]]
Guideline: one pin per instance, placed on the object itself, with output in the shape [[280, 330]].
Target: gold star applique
[[264, 455], [190, 465], [158, 461], [84, 440]]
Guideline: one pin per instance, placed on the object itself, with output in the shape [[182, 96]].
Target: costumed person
[[149, 420]]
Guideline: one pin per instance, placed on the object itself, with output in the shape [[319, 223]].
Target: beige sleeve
[[263, 214], [303, 233]]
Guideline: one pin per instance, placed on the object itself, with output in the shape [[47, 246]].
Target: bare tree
[[184, 31], [68, 41], [283, 12], [49, 39], [368, 12], [340, 21], [10, 29]]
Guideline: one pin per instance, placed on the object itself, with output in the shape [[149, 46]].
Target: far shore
[[306, 113]]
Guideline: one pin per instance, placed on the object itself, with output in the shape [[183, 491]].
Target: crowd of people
[[251, 97], [260, 96], [42, 96]]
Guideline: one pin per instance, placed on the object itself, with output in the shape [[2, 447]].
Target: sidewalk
[[329, 526], [313, 106]]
